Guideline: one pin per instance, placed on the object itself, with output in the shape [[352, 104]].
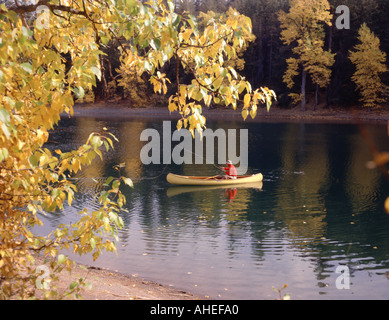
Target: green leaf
[[176, 19], [61, 258], [27, 67], [115, 184], [19, 105], [3, 7], [4, 116], [106, 145], [92, 242], [131, 3], [104, 40], [238, 34], [3, 154], [73, 285], [97, 72], [33, 160], [155, 44], [108, 181], [79, 91], [268, 104]]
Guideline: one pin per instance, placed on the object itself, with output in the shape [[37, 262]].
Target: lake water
[[319, 208]]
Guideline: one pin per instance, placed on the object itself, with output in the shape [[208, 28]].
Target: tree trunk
[[303, 82], [330, 37], [316, 96], [270, 57]]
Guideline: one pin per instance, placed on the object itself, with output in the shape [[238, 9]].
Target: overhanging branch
[[26, 8]]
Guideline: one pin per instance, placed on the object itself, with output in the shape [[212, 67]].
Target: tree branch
[[20, 9]]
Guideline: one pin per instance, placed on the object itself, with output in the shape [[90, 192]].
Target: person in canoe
[[230, 171]]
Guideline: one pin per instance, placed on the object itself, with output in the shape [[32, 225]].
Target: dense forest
[[264, 61]]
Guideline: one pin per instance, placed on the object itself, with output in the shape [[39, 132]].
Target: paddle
[[218, 176]]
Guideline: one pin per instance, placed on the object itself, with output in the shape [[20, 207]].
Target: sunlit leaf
[[387, 205], [128, 182], [27, 67], [61, 259], [96, 71], [4, 116]]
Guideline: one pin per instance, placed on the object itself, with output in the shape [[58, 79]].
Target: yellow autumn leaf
[[387, 205], [186, 34], [172, 107], [207, 100], [245, 114], [247, 99], [253, 111]]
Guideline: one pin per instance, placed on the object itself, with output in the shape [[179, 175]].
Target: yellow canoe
[[211, 181]]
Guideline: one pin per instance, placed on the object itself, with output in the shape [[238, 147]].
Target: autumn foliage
[[303, 27], [370, 64], [44, 68]]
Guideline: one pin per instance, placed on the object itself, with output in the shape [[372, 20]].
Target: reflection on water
[[318, 207]]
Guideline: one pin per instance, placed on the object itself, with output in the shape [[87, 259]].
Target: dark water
[[319, 208]]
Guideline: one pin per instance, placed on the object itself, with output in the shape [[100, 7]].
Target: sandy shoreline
[[110, 285]]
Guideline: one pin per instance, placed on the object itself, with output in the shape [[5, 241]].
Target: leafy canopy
[[370, 64], [303, 26], [48, 61], [167, 36]]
